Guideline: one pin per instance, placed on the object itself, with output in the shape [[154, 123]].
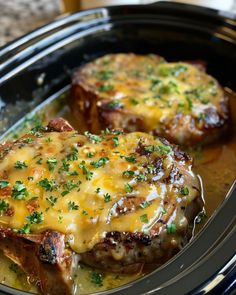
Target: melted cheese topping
[[69, 183], [150, 88]]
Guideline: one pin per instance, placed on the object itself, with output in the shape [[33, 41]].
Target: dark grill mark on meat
[[174, 175]]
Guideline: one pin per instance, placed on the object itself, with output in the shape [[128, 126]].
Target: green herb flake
[[115, 104], [73, 173], [171, 228], [73, 156], [93, 137], [39, 162], [115, 141], [185, 191], [48, 185], [48, 139], [19, 191], [128, 188], [90, 155], [3, 206], [25, 229], [35, 217], [128, 173], [3, 183], [100, 163], [145, 204], [107, 198], [52, 162], [144, 218], [72, 206], [97, 279], [130, 159], [20, 165], [105, 75], [141, 177], [88, 174], [85, 213], [52, 200], [105, 88], [98, 189], [134, 102], [163, 149]]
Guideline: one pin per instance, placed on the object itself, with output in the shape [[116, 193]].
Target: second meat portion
[[145, 93]]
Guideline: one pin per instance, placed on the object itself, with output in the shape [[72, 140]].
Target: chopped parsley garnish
[[165, 71], [145, 204], [134, 101], [150, 168], [28, 140], [85, 213], [115, 141], [93, 137], [98, 189], [3, 183], [128, 188], [73, 173], [105, 75], [115, 104], [25, 229], [154, 83], [35, 217], [20, 165], [3, 206], [128, 173], [73, 156], [52, 200], [130, 159], [185, 191], [97, 279], [72, 206], [190, 102], [90, 155], [88, 174], [37, 128], [52, 162], [141, 177], [144, 218], [19, 191], [39, 161], [70, 185], [105, 88], [107, 198], [100, 163], [65, 165], [163, 149], [48, 185], [48, 139], [170, 88], [171, 228]]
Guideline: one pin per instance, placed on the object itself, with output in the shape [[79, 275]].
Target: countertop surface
[[18, 17]]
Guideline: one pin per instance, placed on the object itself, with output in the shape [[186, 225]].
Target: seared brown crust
[[194, 110], [42, 257]]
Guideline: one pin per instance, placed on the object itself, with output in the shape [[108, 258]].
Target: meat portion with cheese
[[176, 100], [119, 200]]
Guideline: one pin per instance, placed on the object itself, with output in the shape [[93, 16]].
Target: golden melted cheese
[[83, 206], [150, 88]]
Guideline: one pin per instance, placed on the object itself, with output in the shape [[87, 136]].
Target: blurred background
[[18, 17]]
